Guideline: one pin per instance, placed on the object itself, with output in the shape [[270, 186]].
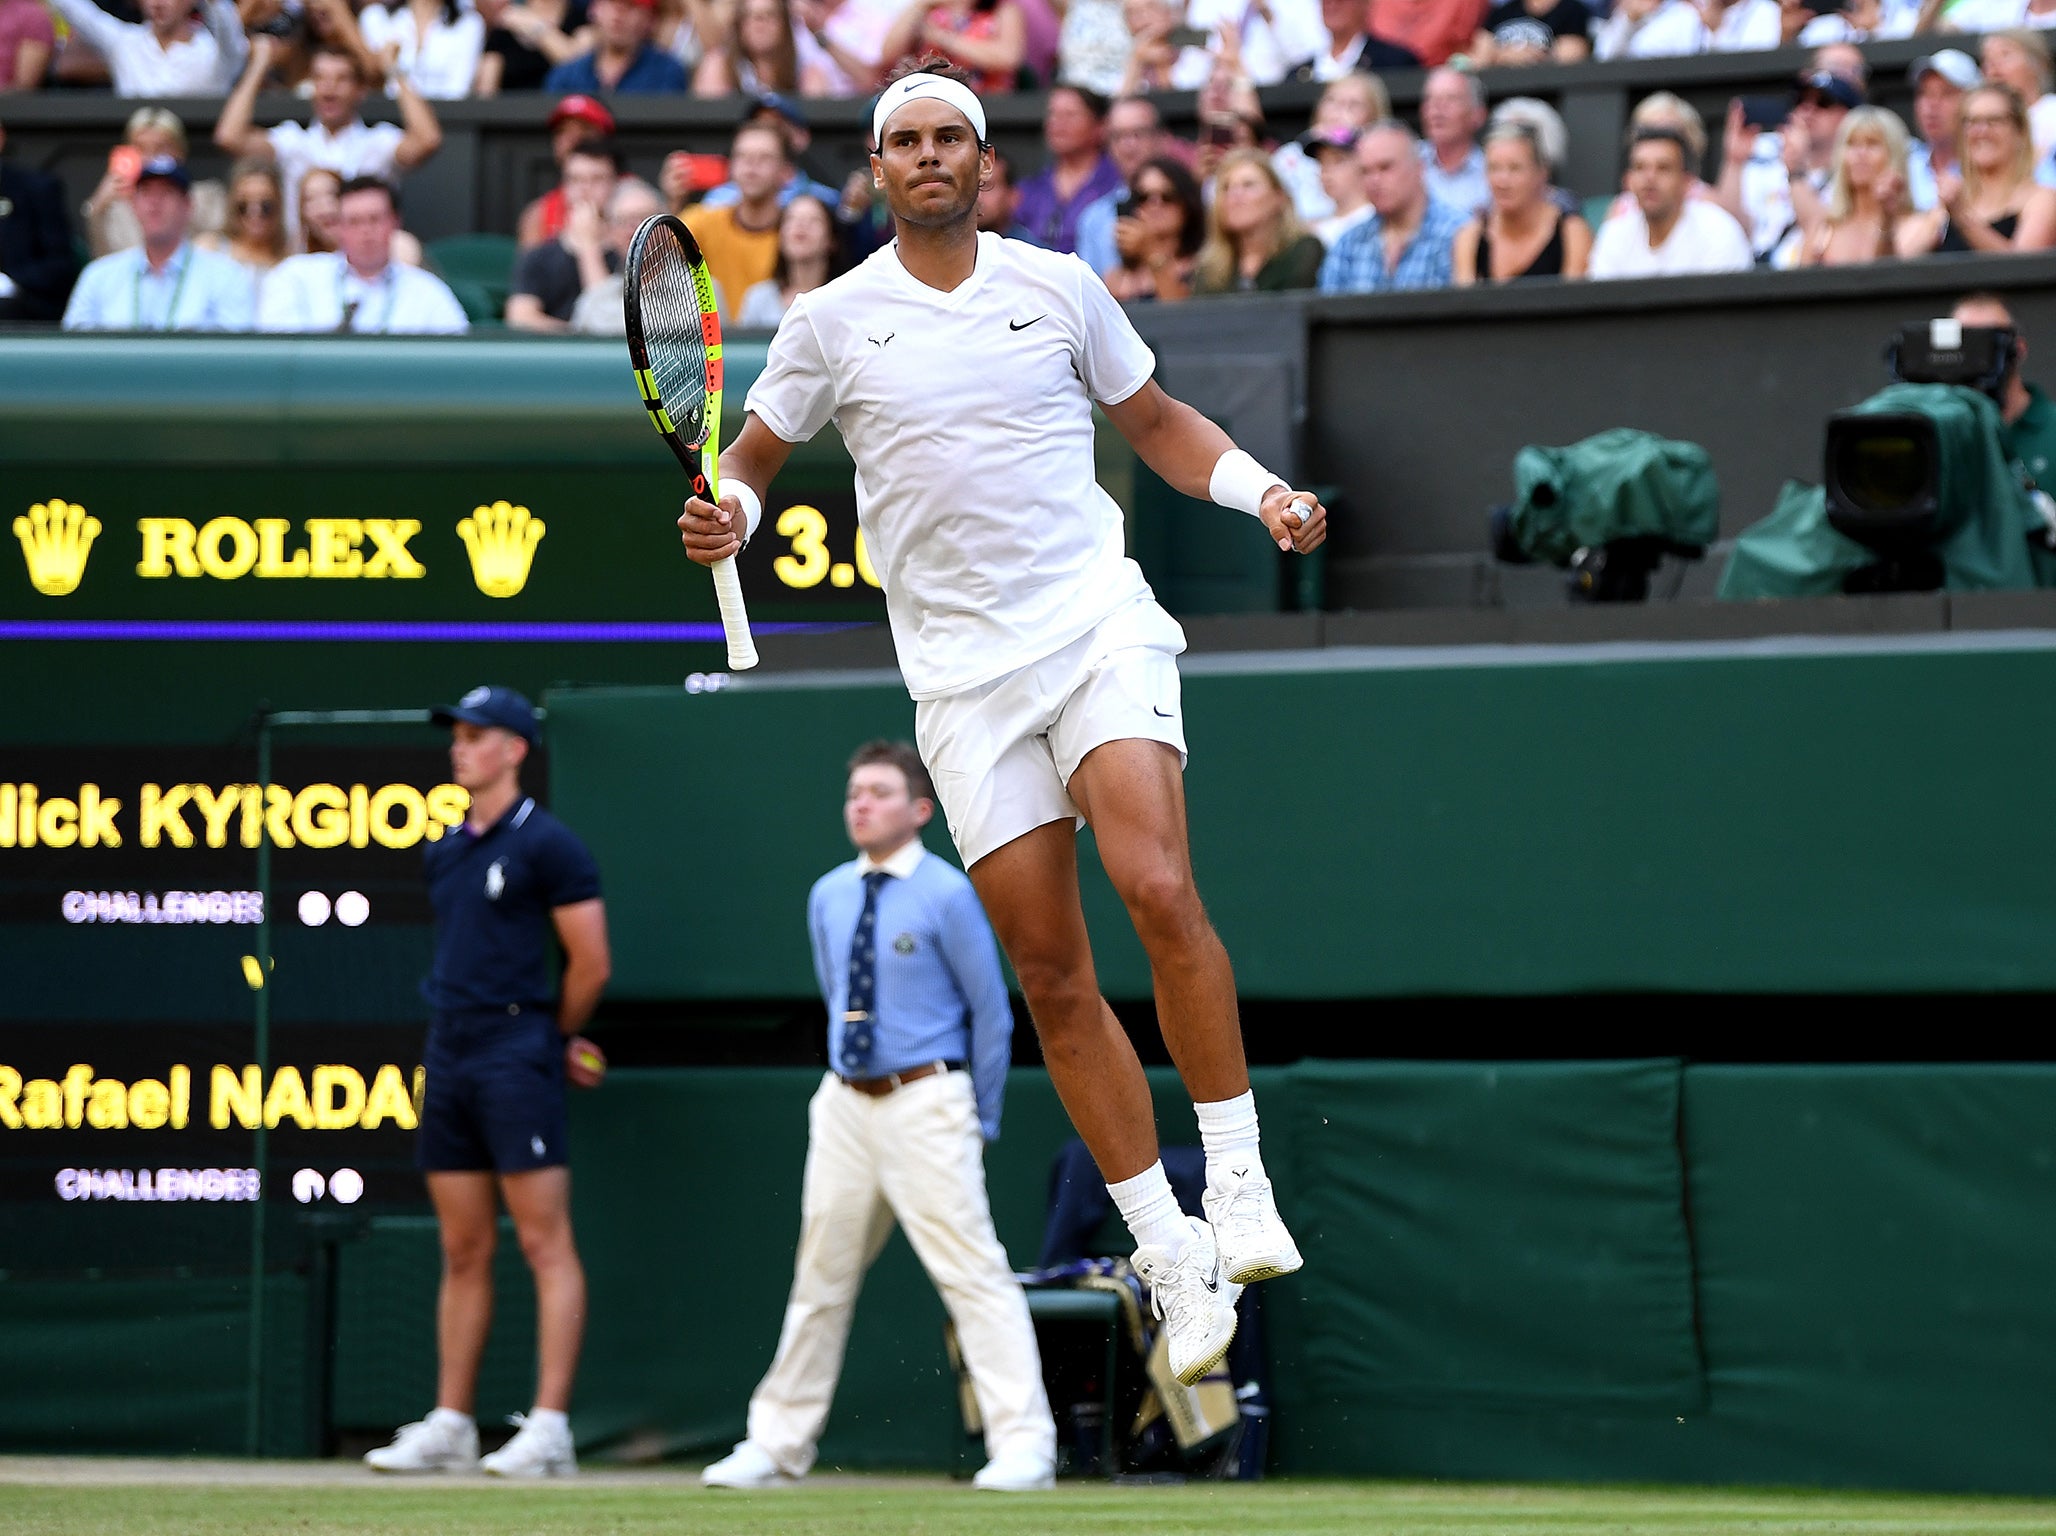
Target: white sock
[[548, 1418], [1227, 1129], [1151, 1210], [451, 1417]]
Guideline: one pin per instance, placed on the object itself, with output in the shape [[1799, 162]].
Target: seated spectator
[[26, 42], [1742, 26], [36, 261], [338, 139], [1523, 232], [1255, 242], [759, 52], [851, 34], [1079, 171], [1407, 241], [1995, 205], [434, 45], [987, 39], [1094, 45], [1152, 57], [153, 133], [997, 199], [1259, 43], [166, 283], [688, 179], [359, 287], [1667, 233], [1352, 103], [1517, 33], [2029, 434], [1342, 182], [1431, 30], [599, 311], [623, 58], [1773, 183], [809, 254], [1939, 81], [2020, 59], [1452, 115], [1158, 236], [1135, 135], [782, 114], [574, 121], [740, 239], [525, 40], [1551, 137], [1861, 21], [549, 277], [1650, 29], [1665, 109], [1866, 195], [168, 52], [1350, 48], [255, 240]]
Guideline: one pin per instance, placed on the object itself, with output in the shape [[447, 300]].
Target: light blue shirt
[[1465, 189], [941, 996], [197, 291], [1096, 246]]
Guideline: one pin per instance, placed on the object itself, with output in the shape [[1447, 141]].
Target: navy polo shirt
[[652, 69], [493, 893]]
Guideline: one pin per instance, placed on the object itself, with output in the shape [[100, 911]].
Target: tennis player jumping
[[962, 369]]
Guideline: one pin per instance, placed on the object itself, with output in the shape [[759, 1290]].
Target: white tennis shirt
[[969, 415]]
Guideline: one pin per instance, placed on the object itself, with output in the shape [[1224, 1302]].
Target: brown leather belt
[[879, 1087]]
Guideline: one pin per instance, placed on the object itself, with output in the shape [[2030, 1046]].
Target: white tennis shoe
[[749, 1465], [1253, 1240], [1016, 1472], [445, 1441], [538, 1449], [1195, 1300]]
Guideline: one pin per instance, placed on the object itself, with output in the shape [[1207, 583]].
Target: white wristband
[[1240, 482], [752, 506]]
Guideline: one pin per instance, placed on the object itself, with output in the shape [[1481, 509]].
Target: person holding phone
[[151, 133], [1158, 233]]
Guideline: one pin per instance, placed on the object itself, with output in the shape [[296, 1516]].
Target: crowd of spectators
[[304, 231]]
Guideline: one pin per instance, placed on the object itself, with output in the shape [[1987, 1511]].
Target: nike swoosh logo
[[1164, 713], [1212, 1281], [1022, 325], [879, 341]]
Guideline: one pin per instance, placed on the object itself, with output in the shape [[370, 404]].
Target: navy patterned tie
[[858, 1034]]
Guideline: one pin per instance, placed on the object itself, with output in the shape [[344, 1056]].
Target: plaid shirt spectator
[[1357, 263]]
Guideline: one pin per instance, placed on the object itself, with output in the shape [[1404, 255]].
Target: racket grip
[[735, 619]]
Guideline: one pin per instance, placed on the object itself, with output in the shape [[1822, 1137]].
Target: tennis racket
[[674, 345]]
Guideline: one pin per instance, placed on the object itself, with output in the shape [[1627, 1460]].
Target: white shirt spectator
[[205, 64], [1767, 199], [1093, 46], [360, 149], [1269, 47], [1984, 15], [197, 291], [1706, 238], [1749, 27], [1672, 29], [311, 293], [1336, 225], [441, 66], [857, 27]]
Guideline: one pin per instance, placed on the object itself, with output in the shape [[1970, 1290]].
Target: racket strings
[[673, 334]]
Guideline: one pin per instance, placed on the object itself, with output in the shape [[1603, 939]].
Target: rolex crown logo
[[501, 540], [56, 537]]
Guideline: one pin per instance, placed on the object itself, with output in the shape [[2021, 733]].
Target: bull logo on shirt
[[495, 879], [905, 944]]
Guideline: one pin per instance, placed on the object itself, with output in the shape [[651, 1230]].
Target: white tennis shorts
[[1002, 754]]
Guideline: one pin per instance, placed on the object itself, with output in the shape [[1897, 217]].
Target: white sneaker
[[1254, 1243], [539, 1449], [1016, 1472], [439, 1443], [1194, 1299], [749, 1465]]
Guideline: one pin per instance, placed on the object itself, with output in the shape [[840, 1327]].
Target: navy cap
[[502, 707], [1841, 91], [164, 168], [775, 101]]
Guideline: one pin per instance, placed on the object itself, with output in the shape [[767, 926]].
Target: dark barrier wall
[[1631, 1271], [495, 154], [1805, 817]]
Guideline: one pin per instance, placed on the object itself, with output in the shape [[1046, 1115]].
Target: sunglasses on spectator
[[1154, 195], [263, 205]]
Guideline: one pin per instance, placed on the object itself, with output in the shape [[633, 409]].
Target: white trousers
[[916, 1154]]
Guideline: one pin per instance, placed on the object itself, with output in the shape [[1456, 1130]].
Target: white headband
[[913, 88]]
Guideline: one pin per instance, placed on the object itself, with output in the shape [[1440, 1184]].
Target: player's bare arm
[[582, 930], [713, 532], [1183, 447]]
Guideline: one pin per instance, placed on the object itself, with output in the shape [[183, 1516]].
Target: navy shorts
[[493, 1100]]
